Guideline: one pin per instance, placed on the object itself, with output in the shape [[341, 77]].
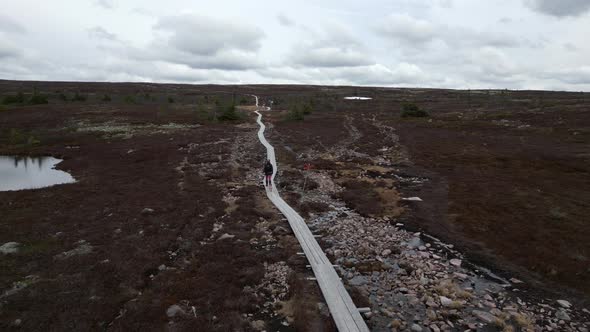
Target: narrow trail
[[343, 310]]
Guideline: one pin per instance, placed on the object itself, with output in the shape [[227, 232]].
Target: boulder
[[174, 310], [9, 248], [564, 304], [484, 316], [225, 236], [445, 301], [147, 211], [416, 328]]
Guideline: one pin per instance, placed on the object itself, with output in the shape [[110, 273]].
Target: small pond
[[17, 173]]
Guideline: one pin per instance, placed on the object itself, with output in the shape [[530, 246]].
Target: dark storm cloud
[[7, 24], [560, 8]]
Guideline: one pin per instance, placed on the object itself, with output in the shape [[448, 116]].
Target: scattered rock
[[416, 328], [484, 316], [174, 310], [564, 304], [461, 276], [9, 248], [414, 243], [455, 262], [445, 301], [225, 236], [147, 211], [386, 252], [82, 249], [562, 315], [258, 325]]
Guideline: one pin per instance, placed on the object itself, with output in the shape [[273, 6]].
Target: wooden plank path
[[345, 314]]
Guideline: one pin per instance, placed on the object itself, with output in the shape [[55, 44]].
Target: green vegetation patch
[[411, 110]]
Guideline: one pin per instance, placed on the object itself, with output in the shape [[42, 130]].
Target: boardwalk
[[344, 312]]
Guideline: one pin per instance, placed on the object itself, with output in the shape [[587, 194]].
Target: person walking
[[268, 170]]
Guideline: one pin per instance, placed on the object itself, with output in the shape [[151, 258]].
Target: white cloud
[[100, 33], [8, 24], [8, 49], [107, 4], [284, 20], [432, 43]]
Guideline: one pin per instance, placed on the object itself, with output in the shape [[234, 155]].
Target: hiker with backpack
[[268, 170]]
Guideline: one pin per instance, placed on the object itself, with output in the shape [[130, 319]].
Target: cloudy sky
[[516, 44]]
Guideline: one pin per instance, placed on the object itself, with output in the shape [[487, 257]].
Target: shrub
[[106, 98], [63, 97], [295, 114], [18, 137], [243, 101], [130, 99], [15, 136], [307, 109], [38, 100], [170, 100], [229, 114], [79, 97], [19, 98], [412, 110]]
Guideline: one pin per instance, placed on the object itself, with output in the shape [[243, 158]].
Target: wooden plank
[[344, 312]]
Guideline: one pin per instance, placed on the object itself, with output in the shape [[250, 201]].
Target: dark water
[[18, 173]]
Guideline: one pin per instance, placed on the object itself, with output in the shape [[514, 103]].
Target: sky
[[466, 44]]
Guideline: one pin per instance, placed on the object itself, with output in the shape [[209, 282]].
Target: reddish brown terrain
[[167, 226]]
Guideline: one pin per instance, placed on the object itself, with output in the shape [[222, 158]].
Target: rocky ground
[[411, 280]]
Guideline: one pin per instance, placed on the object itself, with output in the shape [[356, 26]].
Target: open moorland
[[168, 227]]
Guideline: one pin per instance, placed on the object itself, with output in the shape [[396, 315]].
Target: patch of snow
[[358, 98]]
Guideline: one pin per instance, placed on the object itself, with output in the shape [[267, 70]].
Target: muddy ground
[[138, 242]]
